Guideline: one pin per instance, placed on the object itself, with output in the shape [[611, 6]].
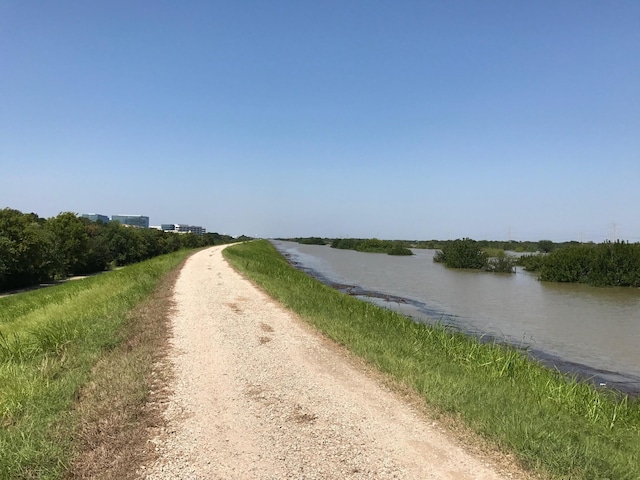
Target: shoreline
[[553, 424], [259, 393], [624, 383]]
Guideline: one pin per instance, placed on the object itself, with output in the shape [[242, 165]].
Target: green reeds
[[50, 339], [554, 424]]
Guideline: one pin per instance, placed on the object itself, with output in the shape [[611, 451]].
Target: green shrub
[[605, 264], [501, 263], [545, 246], [462, 253], [399, 249], [531, 263]]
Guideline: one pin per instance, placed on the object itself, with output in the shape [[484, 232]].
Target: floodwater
[[593, 332]]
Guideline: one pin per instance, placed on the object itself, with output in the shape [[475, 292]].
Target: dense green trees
[[71, 242], [604, 264], [27, 254], [35, 250]]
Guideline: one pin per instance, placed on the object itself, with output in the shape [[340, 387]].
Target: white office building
[[183, 228]]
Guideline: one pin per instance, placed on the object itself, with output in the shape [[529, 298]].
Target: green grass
[[50, 340], [554, 425]]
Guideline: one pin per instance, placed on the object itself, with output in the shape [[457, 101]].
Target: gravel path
[[259, 395]]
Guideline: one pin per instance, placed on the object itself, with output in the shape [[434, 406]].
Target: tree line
[[369, 245], [511, 245], [372, 245], [35, 250], [603, 264]]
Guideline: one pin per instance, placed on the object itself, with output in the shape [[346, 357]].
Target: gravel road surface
[[257, 394]]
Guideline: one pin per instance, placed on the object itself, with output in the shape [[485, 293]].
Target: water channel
[[592, 332]]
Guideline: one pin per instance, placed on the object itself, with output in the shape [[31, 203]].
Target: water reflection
[[595, 331]]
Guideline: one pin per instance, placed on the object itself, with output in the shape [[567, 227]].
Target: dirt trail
[[259, 395]]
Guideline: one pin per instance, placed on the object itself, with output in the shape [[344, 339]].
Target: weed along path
[[257, 394]]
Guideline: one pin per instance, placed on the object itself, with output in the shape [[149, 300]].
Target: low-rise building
[[183, 228], [197, 230]]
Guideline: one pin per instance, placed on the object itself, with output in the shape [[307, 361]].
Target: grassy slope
[[554, 425], [51, 342]]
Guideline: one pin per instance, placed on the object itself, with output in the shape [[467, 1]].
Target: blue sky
[[388, 119]]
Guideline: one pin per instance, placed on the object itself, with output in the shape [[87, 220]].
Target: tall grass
[[50, 339], [554, 424]]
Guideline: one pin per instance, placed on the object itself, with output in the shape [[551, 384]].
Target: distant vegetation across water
[[372, 245], [369, 245], [511, 245], [603, 264], [556, 425]]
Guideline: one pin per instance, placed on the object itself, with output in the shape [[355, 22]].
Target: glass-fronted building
[[139, 221], [94, 217]]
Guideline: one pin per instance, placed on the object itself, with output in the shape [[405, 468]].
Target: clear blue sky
[[389, 119]]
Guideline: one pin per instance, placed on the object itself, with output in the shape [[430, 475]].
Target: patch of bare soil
[[257, 394]]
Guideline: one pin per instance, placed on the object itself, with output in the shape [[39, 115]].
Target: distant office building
[[175, 227], [94, 217], [197, 230], [139, 221], [183, 228]]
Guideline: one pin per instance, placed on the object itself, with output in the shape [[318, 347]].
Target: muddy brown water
[[590, 331]]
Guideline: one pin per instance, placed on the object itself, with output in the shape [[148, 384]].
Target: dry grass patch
[[121, 408]]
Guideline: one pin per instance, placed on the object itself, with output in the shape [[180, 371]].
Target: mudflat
[[258, 394]]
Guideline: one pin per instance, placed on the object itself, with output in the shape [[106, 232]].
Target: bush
[[501, 263], [399, 249], [545, 246], [462, 253], [531, 263]]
